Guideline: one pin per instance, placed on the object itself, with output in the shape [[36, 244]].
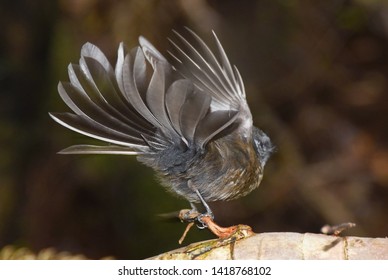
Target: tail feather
[[93, 129], [106, 150], [175, 98], [131, 91], [141, 115], [87, 90]]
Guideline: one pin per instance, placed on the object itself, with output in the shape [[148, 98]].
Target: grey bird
[[187, 118]]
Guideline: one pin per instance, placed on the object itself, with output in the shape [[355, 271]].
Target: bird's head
[[263, 145]]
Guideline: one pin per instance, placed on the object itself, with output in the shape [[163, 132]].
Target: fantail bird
[[188, 119]]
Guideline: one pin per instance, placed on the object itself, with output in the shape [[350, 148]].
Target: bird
[[186, 117]]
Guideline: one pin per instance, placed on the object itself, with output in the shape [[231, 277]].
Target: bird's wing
[[212, 74]]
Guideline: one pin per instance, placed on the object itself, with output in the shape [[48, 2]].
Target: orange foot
[[236, 232], [226, 232]]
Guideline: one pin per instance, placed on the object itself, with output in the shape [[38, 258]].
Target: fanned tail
[[138, 114]]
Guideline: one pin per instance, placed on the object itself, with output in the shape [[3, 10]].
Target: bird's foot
[[237, 231], [188, 215], [202, 220], [207, 221]]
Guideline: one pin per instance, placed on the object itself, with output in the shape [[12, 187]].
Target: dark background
[[316, 75]]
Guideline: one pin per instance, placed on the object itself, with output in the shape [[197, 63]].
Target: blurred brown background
[[316, 75]]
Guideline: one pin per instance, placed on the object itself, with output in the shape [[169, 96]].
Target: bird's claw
[[188, 215], [192, 215], [201, 224], [206, 220]]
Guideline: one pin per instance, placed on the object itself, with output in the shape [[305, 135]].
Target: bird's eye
[[259, 145]]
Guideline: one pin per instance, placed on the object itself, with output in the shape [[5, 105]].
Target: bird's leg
[[209, 211], [194, 212], [206, 220], [193, 216]]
